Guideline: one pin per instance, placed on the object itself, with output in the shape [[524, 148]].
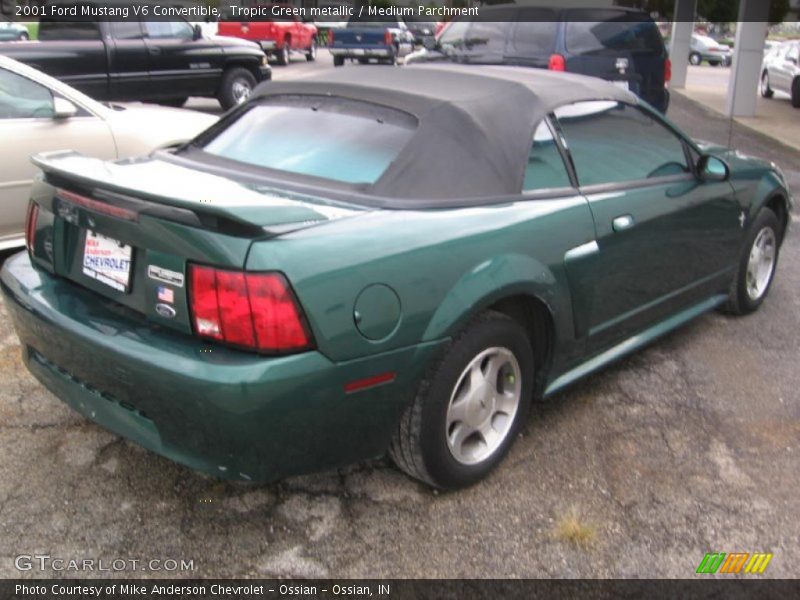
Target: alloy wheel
[[761, 263], [240, 90], [482, 406]]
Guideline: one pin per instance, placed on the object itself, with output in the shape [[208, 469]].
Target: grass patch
[[33, 30], [570, 528]]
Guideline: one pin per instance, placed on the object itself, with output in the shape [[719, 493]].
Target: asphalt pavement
[[688, 447]]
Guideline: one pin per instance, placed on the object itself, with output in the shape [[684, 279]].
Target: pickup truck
[[160, 61], [278, 34], [385, 38]]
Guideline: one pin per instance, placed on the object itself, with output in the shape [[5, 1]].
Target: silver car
[[781, 72], [10, 32], [706, 48]]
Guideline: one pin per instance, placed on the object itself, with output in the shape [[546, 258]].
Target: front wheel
[[796, 93], [469, 408], [24, 37], [766, 90], [311, 54], [237, 83], [756, 264], [695, 59], [338, 61]]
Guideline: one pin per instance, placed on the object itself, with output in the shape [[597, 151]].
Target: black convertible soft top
[[476, 123]]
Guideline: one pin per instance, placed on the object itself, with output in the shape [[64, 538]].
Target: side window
[[168, 29], [612, 142], [126, 30], [67, 30], [536, 37], [21, 98], [545, 167]]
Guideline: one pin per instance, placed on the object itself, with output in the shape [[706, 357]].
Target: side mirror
[[63, 109], [197, 32], [711, 168]]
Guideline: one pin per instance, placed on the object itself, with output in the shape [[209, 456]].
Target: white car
[[11, 32], [781, 72], [39, 113]]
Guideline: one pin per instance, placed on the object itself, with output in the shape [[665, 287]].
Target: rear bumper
[[383, 52], [227, 413]]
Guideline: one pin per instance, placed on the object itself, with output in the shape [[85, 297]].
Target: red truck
[[275, 27]]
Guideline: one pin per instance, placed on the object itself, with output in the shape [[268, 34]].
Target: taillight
[[30, 225], [330, 37], [388, 38], [250, 310], [667, 71], [557, 63]]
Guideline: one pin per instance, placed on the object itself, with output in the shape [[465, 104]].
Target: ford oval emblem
[[165, 311]]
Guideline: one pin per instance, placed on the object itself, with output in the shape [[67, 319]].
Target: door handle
[[622, 223]]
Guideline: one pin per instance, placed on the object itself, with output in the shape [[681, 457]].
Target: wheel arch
[[250, 65], [778, 203], [519, 287]]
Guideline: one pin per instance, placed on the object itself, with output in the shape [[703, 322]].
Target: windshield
[[343, 140]]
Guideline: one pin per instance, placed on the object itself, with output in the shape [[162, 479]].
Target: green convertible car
[[378, 260]]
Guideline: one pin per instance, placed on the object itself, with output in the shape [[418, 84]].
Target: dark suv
[[618, 44]]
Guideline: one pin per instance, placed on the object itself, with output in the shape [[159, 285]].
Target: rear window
[[332, 138], [601, 31]]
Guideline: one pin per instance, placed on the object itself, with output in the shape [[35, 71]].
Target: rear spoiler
[[153, 187]]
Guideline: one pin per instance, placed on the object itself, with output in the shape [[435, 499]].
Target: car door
[[28, 126], [779, 69], [664, 238], [128, 66], [178, 64]]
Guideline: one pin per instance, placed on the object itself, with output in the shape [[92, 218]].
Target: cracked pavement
[[690, 446]]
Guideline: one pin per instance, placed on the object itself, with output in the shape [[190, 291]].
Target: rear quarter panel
[[445, 266]]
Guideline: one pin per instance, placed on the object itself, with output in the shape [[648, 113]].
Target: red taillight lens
[[388, 38], [667, 71], [557, 63], [251, 310], [30, 225], [330, 37]]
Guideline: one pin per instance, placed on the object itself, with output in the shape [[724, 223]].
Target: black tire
[[796, 93], [338, 61], [228, 95], [363, 61], [24, 37], [420, 444], [174, 102], [740, 302], [695, 58], [311, 53], [282, 55], [766, 89], [715, 63]]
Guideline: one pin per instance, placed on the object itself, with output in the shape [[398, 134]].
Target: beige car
[[39, 113]]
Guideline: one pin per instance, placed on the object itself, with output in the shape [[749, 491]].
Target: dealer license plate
[[107, 260]]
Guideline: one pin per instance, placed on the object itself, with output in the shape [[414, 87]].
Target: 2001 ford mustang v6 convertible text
[[378, 260]]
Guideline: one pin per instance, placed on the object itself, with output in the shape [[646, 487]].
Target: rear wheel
[[23, 36], [237, 83], [695, 59], [766, 90], [283, 54], [470, 406], [311, 53], [756, 265], [363, 61], [338, 61], [715, 63], [796, 93]]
